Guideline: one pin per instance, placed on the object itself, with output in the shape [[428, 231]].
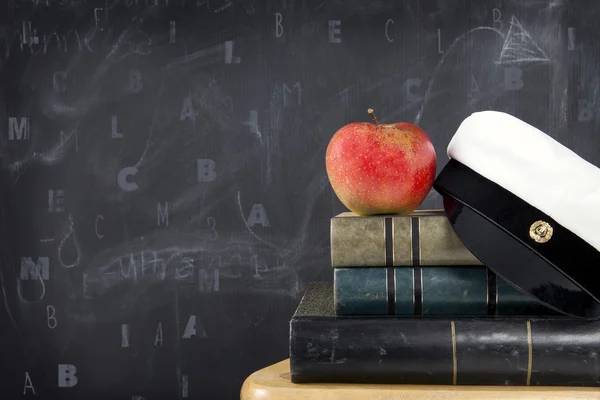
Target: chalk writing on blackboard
[[114, 125], [28, 385], [258, 215], [278, 24], [67, 375], [135, 81], [132, 41], [162, 214], [446, 53], [335, 31], [96, 228], [193, 328], [35, 270], [28, 36], [98, 16], [208, 281], [287, 92], [56, 201], [51, 316], [252, 123], [158, 341], [187, 110], [206, 170], [474, 93], [172, 32], [18, 128], [387, 36], [124, 335], [184, 386], [519, 47], [229, 57], [409, 92], [70, 239], [123, 179], [65, 139], [59, 81]]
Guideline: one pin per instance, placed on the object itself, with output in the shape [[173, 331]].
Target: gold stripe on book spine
[[357, 241], [529, 353], [402, 241], [454, 363], [414, 271], [422, 304], [439, 245], [420, 252]]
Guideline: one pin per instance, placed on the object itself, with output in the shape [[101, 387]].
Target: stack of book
[[414, 265], [410, 304]]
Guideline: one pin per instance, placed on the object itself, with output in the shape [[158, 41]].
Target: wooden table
[[273, 383]]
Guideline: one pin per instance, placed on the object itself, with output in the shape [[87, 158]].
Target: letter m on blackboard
[[35, 270], [289, 92], [18, 128]]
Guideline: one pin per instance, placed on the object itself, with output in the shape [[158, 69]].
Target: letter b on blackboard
[[66, 375], [206, 170]]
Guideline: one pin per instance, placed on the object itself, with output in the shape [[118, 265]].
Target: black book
[[486, 350]]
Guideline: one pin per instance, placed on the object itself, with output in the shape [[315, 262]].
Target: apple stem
[[370, 111]]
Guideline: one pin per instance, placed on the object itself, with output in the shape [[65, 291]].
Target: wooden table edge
[[273, 383]]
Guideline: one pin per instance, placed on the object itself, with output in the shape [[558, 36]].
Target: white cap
[[534, 167]]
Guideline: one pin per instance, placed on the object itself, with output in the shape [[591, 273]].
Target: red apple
[[381, 168]]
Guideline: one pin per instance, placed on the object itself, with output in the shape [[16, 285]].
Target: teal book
[[456, 290]]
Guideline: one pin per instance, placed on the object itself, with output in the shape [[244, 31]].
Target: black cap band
[[520, 243]]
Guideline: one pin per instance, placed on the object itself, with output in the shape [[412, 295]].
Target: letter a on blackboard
[[28, 384], [258, 215], [159, 335], [187, 110], [190, 329]]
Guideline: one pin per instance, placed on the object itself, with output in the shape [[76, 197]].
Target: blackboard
[[164, 194]]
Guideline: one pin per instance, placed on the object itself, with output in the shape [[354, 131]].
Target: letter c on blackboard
[[122, 179]]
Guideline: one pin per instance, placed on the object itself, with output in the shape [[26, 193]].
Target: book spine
[[430, 351], [429, 291], [377, 241]]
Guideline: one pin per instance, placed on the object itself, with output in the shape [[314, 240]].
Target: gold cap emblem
[[540, 231]]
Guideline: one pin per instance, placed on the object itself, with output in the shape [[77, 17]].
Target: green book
[[457, 290], [422, 238]]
